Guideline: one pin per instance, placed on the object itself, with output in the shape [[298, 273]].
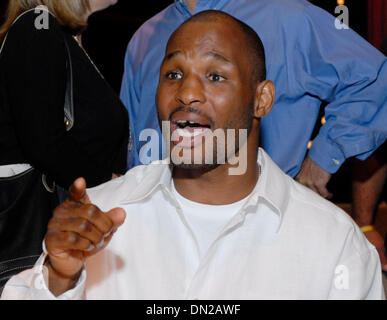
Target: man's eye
[[174, 75], [216, 77]]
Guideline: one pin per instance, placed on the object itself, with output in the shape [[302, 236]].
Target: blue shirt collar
[[201, 6]]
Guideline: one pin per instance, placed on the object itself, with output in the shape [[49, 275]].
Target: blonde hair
[[69, 13]]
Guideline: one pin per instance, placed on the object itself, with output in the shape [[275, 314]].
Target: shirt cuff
[[39, 284], [326, 154]]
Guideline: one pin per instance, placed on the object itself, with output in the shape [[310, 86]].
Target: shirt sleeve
[[32, 284], [36, 82], [340, 67], [358, 274]]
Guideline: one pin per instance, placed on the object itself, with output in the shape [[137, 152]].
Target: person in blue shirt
[[369, 178], [309, 59]]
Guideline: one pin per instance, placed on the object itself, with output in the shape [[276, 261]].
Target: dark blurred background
[[109, 32]]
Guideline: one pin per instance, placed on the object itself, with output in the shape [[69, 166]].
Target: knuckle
[[52, 224], [63, 210], [91, 210], [58, 211], [72, 237], [49, 237], [85, 225]]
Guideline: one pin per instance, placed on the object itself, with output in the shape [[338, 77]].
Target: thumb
[[77, 191], [117, 215]]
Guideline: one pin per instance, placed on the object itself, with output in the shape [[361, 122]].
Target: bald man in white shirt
[[189, 228]]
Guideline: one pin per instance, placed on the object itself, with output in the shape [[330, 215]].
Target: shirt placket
[[194, 284], [193, 291], [192, 261]]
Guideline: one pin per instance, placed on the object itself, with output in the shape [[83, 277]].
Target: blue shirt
[[308, 59]]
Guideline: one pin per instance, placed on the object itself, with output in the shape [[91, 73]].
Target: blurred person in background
[[40, 154], [369, 178]]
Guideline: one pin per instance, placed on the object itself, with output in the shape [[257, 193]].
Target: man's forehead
[[208, 38], [209, 54]]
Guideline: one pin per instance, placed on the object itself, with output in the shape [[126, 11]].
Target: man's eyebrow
[[212, 54], [218, 56], [172, 55]]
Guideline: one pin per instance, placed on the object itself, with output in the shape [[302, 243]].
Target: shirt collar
[[148, 178], [201, 6], [272, 186]]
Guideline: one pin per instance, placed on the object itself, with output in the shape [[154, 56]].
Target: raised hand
[[77, 230]]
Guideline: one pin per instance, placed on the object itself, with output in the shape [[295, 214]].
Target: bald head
[[255, 52]]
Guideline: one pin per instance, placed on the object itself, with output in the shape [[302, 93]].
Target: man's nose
[[191, 91]]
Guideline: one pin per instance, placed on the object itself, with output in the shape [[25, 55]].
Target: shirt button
[[337, 162]]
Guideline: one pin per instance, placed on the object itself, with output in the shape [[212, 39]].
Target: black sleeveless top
[[32, 83]]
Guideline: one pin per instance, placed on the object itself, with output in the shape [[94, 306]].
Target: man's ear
[[264, 98]]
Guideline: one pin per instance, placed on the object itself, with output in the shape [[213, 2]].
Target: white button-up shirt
[[285, 243]]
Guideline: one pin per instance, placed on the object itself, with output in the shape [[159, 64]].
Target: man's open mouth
[[190, 128], [187, 126]]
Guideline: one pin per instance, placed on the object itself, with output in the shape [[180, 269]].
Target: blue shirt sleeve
[[339, 66]]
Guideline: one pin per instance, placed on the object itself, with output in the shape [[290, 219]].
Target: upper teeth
[[185, 133], [184, 122]]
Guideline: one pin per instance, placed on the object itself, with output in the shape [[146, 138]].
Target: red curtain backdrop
[[377, 21]]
